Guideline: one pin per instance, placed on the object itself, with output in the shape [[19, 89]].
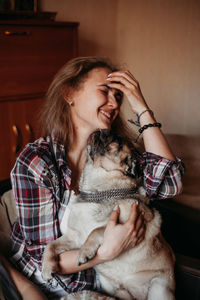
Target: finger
[[133, 214], [125, 81], [114, 215], [126, 74], [139, 222], [124, 78], [118, 86], [140, 240], [131, 75], [141, 230]]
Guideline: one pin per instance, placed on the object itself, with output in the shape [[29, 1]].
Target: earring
[[70, 103]]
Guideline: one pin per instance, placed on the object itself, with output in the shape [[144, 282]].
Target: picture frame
[[23, 9], [19, 5], [25, 5]]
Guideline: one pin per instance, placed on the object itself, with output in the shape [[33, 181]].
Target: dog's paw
[[47, 274], [85, 255], [48, 268]]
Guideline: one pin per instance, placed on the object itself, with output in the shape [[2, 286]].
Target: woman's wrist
[[139, 109], [104, 255], [147, 117], [68, 262]]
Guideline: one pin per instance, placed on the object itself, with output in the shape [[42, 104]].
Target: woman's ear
[[66, 93]]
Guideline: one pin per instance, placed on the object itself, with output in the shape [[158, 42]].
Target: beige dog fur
[[144, 272]]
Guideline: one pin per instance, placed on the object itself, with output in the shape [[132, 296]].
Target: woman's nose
[[112, 100]]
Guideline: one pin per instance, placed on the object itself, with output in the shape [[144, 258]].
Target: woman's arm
[[161, 176], [36, 193], [35, 202], [68, 262], [161, 170], [154, 140]]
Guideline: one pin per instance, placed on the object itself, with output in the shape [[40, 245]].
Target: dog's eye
[[127, 160]]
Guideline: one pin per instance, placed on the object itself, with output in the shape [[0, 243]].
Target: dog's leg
[[91, 245], [51, 256], [160, 289]]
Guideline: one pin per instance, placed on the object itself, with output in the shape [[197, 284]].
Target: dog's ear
[[132, 168]]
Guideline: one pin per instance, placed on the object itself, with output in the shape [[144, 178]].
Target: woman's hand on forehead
[[126, 83]]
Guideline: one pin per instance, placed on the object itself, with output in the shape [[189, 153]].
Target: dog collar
[[109, 194]]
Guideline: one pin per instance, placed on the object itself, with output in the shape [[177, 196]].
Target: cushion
[[8, 212]]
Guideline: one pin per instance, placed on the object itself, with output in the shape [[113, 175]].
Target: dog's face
[[111, 152]]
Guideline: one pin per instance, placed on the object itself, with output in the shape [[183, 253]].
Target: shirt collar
[[60, 156]]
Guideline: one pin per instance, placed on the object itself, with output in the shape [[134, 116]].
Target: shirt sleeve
[[34, 191], [161, 176]]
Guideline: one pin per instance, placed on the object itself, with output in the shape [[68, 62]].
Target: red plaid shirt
[[39, 179]]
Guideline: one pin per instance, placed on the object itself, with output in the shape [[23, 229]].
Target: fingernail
[[116, 207], [136, 202], [109, 74], [108, 78]]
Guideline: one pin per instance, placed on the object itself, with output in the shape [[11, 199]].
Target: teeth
[[106, 114]]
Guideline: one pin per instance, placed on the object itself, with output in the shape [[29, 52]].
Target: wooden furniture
[[31, 52]]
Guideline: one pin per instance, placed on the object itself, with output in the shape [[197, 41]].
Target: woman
[[84, 96]]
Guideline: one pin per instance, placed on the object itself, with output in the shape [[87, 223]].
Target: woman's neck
[[76, 156]]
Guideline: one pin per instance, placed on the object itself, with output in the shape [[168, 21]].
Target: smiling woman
[[94, 99], [85, 95], [71, 82]]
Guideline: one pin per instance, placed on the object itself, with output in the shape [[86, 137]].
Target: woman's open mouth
[[106, 114]]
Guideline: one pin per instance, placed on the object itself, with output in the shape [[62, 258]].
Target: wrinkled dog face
[[110, 152]]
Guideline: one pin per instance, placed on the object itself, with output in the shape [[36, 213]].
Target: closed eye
[[118, 96], [105, 92], [104, 89]]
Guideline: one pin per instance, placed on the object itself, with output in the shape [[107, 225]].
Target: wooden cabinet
[[31, 53], [18, 127]]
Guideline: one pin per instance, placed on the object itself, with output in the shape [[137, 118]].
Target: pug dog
[[110, 178]]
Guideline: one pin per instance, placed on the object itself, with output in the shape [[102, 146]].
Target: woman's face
[[95, 105]]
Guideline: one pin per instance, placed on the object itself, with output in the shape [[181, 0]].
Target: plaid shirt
[[40, 178]]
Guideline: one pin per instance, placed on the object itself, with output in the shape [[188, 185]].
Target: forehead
[[97, 75]]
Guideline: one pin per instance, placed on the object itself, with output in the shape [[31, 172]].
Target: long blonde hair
[[55, 114]]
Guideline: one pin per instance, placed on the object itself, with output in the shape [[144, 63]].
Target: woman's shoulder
[[37, 153], [39, 162]]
